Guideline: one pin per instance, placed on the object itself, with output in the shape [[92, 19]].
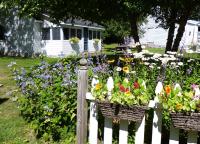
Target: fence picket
[[107, 131], [192, 137], [157, 126], [93, 133], [139, 135], [123, 132], [174, 135]]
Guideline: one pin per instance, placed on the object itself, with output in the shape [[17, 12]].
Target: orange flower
[[167, 89], [98, 86]]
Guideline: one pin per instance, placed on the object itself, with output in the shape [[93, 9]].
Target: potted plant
[[182, 106], [121, 95], [74, 40]]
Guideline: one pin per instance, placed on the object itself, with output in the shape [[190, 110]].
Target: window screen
[[73, 32], [94, 34], [56, 33], [79, 33], [98, 35], [46, 34], [66, 33], [90, 34]]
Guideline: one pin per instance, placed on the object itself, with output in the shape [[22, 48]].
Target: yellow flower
[[128, 59], [111, 61], [179, 106], [98, 86], [121, 58], [126, 69], [127, 93]]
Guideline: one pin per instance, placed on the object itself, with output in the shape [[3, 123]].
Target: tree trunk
[[134, 30], [170, 37], [181, 29]]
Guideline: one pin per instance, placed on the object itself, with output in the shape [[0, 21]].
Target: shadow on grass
[[2, 100]]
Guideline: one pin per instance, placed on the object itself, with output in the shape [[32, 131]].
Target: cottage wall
[[19, 34]]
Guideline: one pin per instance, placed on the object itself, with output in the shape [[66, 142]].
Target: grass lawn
[[13, 128]]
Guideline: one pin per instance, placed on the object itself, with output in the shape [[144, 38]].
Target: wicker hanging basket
[[190, 122], [117, 111]]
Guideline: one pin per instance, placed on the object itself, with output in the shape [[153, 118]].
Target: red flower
[[136, 85], [122, 88]]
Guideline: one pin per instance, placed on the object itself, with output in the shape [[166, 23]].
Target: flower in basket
[[176, 100]]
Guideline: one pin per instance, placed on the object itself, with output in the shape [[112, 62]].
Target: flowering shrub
[[49, 97]]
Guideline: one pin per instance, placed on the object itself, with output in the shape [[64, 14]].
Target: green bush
[[49, 97]]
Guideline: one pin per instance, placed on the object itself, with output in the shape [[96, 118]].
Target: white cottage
[[26, 36], [156, 36], [56, 38]]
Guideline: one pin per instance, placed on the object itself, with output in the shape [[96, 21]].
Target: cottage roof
[[83, 23]]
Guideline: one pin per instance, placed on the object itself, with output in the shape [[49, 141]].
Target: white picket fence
[[140, 127]]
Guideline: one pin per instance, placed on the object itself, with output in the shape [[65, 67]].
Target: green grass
[[107, 46], [156, 50], [13, 128]]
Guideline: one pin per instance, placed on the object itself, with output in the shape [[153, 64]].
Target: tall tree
[[98, 11]]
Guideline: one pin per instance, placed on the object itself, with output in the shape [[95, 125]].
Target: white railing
[[140, 127]]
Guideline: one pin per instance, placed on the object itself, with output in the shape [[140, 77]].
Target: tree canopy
[[129, 12]]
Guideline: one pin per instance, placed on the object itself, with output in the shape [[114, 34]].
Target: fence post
[[81, 129]]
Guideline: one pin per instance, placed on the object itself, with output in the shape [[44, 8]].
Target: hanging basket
[[190, 122], [118, 111]]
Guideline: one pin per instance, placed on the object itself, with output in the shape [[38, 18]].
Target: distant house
[[29, 36], [156, 36]]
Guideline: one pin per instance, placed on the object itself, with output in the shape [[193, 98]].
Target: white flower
[[119, 69], [172, 53], [177, 86], [133, 72], [197, 91], [110, 84], [159, 88], [95, 81], [151, 66], [158, 67], [126, 80], [146, 63], [144, 84], [156, 56], [165, 55], [180, 63], [164, 60], [138, 55]]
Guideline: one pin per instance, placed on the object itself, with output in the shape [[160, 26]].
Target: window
[[90, 35], [46, 34], [66, 33], [79, 33], [189, 33], [198, 29], [94, 34], [98, 35], [56, 33], [73, 32]]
